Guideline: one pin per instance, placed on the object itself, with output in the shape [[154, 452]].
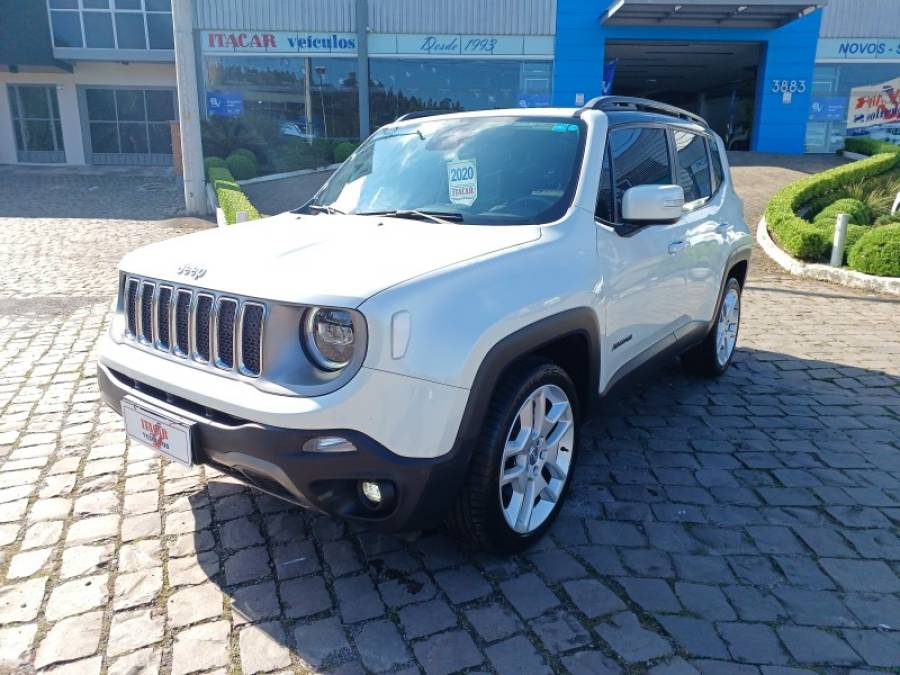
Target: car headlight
[[329, 338]]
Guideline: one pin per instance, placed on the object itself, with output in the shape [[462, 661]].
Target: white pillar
[[7, 135], [188, 108], [70, 120]]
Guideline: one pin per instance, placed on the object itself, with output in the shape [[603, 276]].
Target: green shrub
[[230, 196], [868, 146], [213, 162], [232, 200], [801, 238], [859, 213], [246, 153], [343, 150], [887, 219], [293, 154], [877, 252], [241, 166]]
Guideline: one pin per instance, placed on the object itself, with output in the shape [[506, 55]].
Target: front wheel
[[713, 355], [521, 467]]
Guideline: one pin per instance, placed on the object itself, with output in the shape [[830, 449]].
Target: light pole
[[320, 71]]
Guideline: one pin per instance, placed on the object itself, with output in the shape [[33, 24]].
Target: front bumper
[[270, 458]]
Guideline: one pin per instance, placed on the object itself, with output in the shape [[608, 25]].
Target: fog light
[[328, 444], [371, 491]]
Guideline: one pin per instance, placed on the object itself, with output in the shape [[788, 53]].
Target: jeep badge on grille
[[192, 271]]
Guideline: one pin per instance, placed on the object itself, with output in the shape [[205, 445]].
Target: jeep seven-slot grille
[[223, 332]]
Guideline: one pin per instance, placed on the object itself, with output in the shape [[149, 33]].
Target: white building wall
[[86, 73], [861, 18]]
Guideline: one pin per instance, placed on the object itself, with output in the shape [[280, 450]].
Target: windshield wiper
[[415, 214], [325, 209]]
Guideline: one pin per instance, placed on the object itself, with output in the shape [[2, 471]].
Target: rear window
[[718, 169], [693, 165]]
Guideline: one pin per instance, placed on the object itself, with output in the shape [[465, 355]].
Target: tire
[[713, 356], [492, 516]]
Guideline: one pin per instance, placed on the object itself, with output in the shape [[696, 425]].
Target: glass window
[[119, 120], [101, 104], [640, 156], [486, 170], [400, 86], [604, 209], [34, 102], [160, 105], [718, 169], [98, 30], [693, 165], [159, 5], [160, 139], [66, 29], [95, 4], [159, 30], [35, 118], [133, 137], [130, 30], [104, 137], [63, 4], [128, 4], [130, 104]]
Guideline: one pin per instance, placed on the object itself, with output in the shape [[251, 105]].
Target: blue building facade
[[783, 82]]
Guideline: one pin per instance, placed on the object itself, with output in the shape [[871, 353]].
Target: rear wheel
[[713, 355], [521, 467]]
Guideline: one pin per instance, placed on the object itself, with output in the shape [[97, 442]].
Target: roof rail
[[415, 114], [643, 104]]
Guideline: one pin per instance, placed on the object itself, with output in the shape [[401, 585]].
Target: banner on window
[[609, 74], [224, 103], [873, 108]]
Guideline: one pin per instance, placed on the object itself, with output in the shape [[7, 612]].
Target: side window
[[604, 210], [640, 156], [718, 171], [693, 165]]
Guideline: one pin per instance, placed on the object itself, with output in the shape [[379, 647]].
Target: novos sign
[[277, 42]]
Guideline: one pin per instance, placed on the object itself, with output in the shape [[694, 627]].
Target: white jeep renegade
[[421, 341]]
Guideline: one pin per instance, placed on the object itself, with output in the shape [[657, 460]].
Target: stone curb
[[286, 174], [820, 272]]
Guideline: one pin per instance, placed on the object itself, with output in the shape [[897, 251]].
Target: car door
[[705, 229], [643, 280]]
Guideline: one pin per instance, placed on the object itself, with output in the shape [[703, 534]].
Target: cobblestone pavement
[[746, 525]]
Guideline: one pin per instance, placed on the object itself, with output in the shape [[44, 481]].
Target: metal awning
[[712, 13]]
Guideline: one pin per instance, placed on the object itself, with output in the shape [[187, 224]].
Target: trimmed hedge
[[869, 146], [246, 153], [241, 166], [343, 150], [878, 252], [859, 213], [231, 197], [213, 163], [811, 241]]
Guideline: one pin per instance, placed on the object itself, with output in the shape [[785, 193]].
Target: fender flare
[[580, 321]]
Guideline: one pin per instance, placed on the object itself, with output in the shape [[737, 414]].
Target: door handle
[[722, 228], [676, 246]]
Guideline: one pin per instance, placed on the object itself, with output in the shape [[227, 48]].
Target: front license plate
[[158, 430]]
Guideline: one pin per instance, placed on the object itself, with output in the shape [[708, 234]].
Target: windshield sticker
[[462, 181]]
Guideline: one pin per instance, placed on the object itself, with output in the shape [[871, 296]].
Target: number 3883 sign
[[785, 86]]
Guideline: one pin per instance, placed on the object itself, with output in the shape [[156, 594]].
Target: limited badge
[[462, 181]]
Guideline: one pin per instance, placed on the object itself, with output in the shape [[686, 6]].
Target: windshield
[[484, 170]]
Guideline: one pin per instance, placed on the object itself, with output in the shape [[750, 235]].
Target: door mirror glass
[[648, 204]]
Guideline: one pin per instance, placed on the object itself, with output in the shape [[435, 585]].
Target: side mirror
[[647, 204]]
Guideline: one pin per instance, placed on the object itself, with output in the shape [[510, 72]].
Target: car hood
[[337, 260]]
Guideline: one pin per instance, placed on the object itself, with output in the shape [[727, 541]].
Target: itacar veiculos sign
[[380, 44], [278, 42]]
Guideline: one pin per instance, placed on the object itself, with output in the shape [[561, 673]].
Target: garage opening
[[716, 80]]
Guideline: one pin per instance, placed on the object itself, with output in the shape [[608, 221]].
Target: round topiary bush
[[246, 153], [859, 213], [877, 252], [214, 162], [343, 150], [241, 166], [888, 219]]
